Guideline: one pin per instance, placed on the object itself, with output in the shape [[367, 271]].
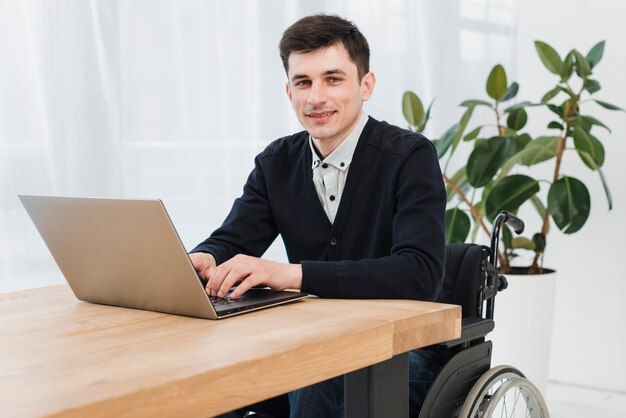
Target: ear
[[288, 90], [367, 86]]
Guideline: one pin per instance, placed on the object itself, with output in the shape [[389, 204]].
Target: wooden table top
[[63, 357]]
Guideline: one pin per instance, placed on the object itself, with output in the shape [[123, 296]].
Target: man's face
[[326, 93]]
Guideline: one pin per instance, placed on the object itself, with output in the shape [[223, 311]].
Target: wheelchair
[[467, 386]]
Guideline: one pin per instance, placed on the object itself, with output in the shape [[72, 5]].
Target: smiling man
[[358, 203]]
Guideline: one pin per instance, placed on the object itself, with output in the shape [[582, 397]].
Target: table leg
[[381, 390]]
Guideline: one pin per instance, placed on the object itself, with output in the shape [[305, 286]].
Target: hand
[[204, 263], [245, 272]]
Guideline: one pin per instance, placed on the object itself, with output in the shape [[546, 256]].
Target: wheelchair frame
[[467, 386]]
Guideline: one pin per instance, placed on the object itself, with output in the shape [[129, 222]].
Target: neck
[[324, 147]]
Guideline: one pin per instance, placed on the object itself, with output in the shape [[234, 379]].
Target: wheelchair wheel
[[504, 392]]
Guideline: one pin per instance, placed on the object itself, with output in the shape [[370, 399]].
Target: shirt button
[[342, 164], [332, 198], [333, 241], [324, 165]]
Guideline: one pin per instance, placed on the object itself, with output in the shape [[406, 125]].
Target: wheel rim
[[485, 389], [516, 398]]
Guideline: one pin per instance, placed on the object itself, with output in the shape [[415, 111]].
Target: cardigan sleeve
[[414, 267], [249, 228]]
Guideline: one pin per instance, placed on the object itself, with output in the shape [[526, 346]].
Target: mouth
[[320, 116]]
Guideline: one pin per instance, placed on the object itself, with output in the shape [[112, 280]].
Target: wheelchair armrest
[[471, 329]]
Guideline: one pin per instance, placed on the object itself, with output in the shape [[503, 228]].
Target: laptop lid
[[126, 252]]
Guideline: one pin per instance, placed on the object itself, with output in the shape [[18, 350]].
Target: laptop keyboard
[[216, 301]]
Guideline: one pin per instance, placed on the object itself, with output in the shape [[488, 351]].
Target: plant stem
[[534, 268], [477, 218], [500, 127]]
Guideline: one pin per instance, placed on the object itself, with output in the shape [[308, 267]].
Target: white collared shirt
[[329, 174]]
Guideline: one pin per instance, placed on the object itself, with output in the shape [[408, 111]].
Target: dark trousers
[[325, 399]]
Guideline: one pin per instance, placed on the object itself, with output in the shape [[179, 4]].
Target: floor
[[566, 401]]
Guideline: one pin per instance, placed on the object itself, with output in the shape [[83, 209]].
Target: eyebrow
[[325, 73]]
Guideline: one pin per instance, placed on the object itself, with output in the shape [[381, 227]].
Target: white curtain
[[172, 99]]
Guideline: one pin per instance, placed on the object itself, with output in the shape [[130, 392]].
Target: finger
[[234, 276], [216, 278], [207, 272], [244, 286]]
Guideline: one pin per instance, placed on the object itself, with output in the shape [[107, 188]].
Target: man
[[358, 203]]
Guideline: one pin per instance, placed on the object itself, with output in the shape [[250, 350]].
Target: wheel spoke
[[504, 392], [519, 393]]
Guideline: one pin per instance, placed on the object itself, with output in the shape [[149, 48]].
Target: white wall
[[589, 331]]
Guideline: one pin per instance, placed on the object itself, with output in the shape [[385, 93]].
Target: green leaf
[[480, 207], [595, 54], [583, 68], [607, 192], [462, 126], [521, 105], [549, 57], [567, 68], [460, 180], [578, 121], [594, 121], [446, 140], [539, 150], [539, 241], [422, 125], [486, 158], [473, 134], [588, 159], [522, 243], [457, 226], [569, 204], [511, 92], [496, 82], [585, 142], [549, 95], [556, 109], [509, 194], [467, 103], [517, 119], [538, 205], [592, 86], [567, 91], [555, 125], [607, 105], [521, 142], [412, 108]]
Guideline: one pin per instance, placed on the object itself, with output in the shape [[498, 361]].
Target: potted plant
[[488, 183], [496, 172]]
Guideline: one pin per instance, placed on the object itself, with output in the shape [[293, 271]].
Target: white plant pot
[[523, 316]]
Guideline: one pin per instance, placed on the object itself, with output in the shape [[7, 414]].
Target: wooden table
[[63, 357]]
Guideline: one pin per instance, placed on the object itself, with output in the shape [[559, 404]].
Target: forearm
[[401, 276]]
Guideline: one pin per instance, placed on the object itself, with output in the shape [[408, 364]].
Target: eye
[[334, 80], [303, 83]]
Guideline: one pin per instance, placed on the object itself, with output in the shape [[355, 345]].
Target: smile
[[320, 115]]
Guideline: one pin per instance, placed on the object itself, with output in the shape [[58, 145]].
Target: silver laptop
[[127, 253]]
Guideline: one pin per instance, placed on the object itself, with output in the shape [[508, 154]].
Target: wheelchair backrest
[[464, 277]]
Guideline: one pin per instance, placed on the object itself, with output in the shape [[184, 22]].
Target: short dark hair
[[322, 31]]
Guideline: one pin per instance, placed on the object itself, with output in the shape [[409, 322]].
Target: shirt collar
[[341, 157]]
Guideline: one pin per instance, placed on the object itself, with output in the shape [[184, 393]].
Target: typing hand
[[245, 272], [204, 264]]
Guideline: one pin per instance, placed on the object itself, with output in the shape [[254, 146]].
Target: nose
[[317, 94]]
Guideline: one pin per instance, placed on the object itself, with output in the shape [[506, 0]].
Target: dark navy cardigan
[[387, 240]]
